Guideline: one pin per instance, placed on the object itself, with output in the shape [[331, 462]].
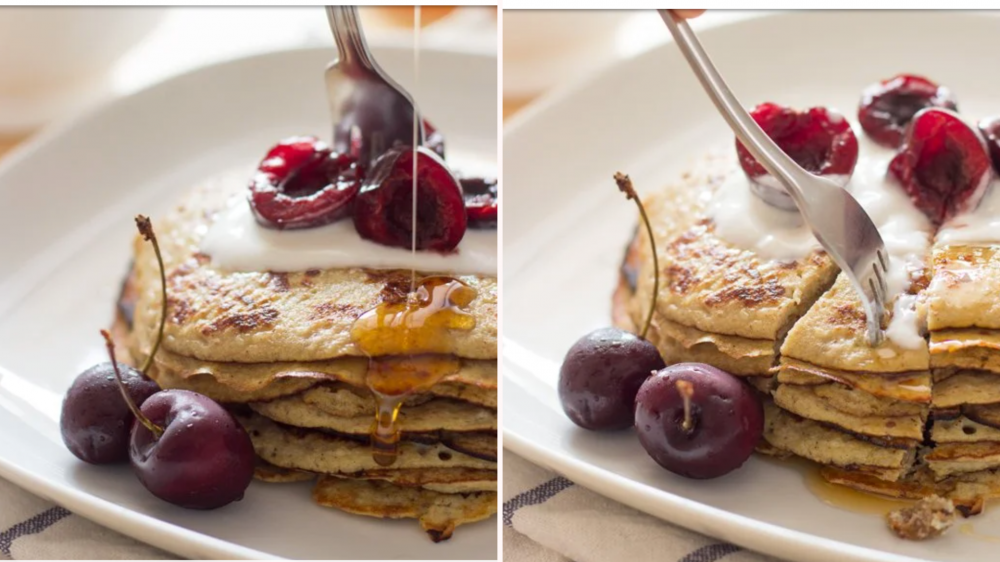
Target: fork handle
[[352, 49], [765, 150]]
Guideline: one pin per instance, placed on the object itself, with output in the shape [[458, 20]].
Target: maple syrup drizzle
[[416, 138], [408, 345]]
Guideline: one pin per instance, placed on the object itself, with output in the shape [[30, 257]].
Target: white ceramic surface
[[565, 226], [66, 207]]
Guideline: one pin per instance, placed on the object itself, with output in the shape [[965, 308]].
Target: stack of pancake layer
[[899, 421], [277, 348]]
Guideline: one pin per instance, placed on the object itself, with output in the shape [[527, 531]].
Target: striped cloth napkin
[[547, 518], [32, 528]]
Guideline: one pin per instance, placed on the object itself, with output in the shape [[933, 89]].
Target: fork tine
[[880, 275]]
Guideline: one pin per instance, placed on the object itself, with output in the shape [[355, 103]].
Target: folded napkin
[[32, 528], [547, 518]]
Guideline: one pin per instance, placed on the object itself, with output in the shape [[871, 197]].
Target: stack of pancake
[[906, 422], [276, 348], [843, 403], [965, 359]]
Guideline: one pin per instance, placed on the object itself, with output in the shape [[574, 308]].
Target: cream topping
[[236, 241]]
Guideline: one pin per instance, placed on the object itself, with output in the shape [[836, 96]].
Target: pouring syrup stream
[[408, 341]]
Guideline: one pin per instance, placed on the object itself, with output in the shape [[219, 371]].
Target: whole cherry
[[602, 371], [698, 421]]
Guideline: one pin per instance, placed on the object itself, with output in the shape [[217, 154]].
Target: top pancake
[[251, 317], [710, 284]]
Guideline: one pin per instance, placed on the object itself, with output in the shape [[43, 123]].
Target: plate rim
[[145, 528], [763, 537]]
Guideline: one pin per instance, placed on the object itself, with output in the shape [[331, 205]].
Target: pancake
[[437, 512], [245, 382], [825, 445], [255, 317], [315, 451], [967, 387], [435, 415], [806, 403]]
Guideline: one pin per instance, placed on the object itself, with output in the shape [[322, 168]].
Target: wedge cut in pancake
[[912, 386], [832, 335], [962, 293], [825, 445], [804, 402], [438, 513], [315, 451], [254, 317], [435, 415]]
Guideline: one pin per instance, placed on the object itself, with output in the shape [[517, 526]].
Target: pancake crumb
[[928, 518]]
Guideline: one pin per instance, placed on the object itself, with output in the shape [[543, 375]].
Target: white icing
[[235, 241], [747, 222]]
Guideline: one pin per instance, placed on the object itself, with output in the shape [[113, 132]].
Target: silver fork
[[371, 112], [839, 223]]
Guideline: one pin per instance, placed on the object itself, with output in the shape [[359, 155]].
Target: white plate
[[66, 207], [565, 226]]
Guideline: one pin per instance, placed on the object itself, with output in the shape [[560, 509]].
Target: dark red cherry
[[383, 210], [818, 139], [943, 164], [433, 139], [698, 421], [95, 420], [481, 202], [301, 183], [600, 376], [203, 460], [887, 107]]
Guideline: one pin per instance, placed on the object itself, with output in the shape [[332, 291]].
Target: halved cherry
[[818, 139], [481, 203], [943, 164], [887, 107], [302, 183], [383, 209]]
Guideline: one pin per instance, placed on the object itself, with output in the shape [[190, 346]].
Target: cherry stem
[[625, 186], [146, 230], [686, 390], [155, 429]]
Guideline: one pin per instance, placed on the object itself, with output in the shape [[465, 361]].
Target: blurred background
[[546, 49], [58, 61]]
